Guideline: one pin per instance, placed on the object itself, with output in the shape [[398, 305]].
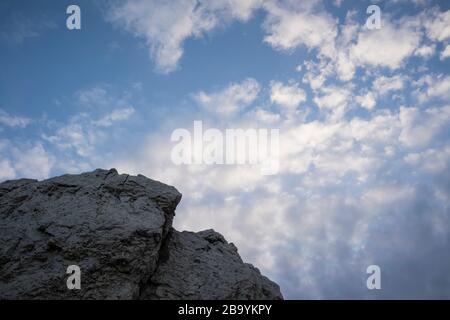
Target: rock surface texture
[[118, 230]]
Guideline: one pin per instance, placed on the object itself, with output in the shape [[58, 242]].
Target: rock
[[118, 230], [204, 266]]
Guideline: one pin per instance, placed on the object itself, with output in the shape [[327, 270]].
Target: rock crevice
[[118, 230]]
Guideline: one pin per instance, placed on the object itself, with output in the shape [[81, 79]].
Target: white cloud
[[316, 74], [291, 24], [93, 97], [13, 121], [115, 116], [383, 85], [445, 53], [287, 96], [433, 87], [345, 67], [82, 134], [420, 127], [34, 162], [425, 51], [6, 170], [24, 160], [103, 97], [264, 116], [366, 101], [165, 25], [437, 26], [388, 194], [77, 135], [333, 99], [398, 40], [233, 98], [431, 160]]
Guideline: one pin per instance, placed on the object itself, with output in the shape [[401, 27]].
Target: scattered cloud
[[166, 25], [13, 121], [24, 160], [114, 116], [399, 41], [290, 24], [383, 85], [445, 53], [433, 87], [437, 25], [366, 101], [334, 99], [420, 127], [287, 96], [425, 51], [235, 97]]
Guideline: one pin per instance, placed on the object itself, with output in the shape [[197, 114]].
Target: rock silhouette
[[118, 230]]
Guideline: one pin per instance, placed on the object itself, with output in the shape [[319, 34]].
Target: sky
[[363, 118]]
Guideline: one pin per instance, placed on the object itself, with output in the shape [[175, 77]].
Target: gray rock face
[[204, 266], [118, 230]]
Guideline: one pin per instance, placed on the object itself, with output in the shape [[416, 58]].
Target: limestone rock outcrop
[[118, 230]]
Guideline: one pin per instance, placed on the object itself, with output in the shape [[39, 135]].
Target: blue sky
[[363, 117]]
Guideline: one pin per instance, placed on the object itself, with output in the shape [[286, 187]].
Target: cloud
[[13, 121], [93, 97], [287, 96], [104, 96], [115, 116], [105, 112], [34, 162], [166, 25], [420, 127], [433, 160], [290, 24], [433, 87], [82, 134], [445, 53], [24, 160], [333, 99], [399, 41], [316, 73], [76, 134], [366, 101], [383, 85], [437, 26], [264, 117], [7, 171], [234, 98], [425, 52], [287, 26]]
